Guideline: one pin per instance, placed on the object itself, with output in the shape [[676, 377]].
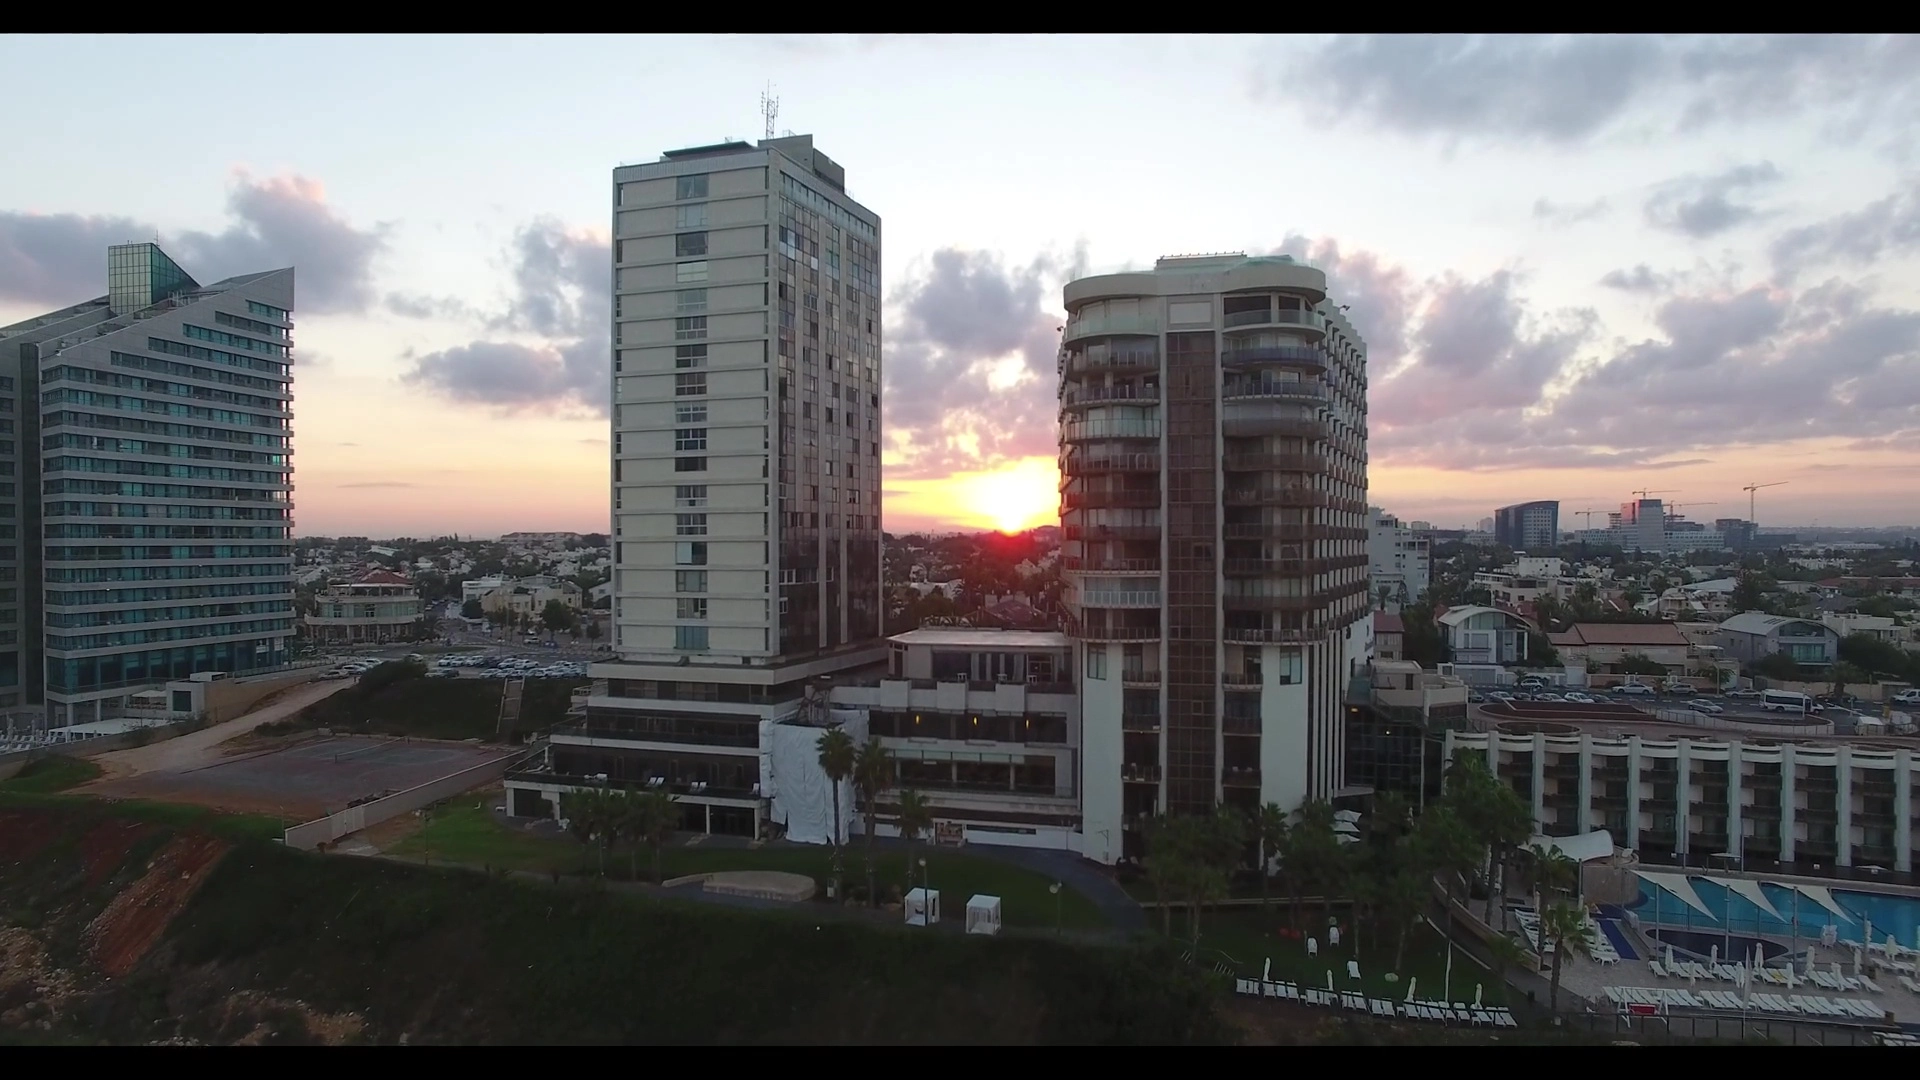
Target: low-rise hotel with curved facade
[[1213, 461]]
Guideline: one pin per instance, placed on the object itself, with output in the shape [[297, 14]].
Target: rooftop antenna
[[769, 108]]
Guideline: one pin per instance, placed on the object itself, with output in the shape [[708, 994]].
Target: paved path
[[198, 748]]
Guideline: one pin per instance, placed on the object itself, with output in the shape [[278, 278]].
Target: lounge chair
[[1907, 983], [1872, 987], [1658, 971]]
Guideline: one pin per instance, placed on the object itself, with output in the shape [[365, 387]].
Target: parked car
[[1638, 690], [1548, 697], [1476, 696], [1907, 697], [1580, 699], [1705, 707], [1743, 694], [1501, 695]]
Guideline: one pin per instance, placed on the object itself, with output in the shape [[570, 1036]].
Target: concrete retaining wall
[[11, 764], [326, 830], [229, 698]]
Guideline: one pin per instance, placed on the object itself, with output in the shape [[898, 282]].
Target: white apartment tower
[[1213, 510], [1399, 560], [746, 468]]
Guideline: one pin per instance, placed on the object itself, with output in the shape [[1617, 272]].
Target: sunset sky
[[1582, 266]]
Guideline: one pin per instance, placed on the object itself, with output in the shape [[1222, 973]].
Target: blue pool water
[[1799, 915], [1702, 944]]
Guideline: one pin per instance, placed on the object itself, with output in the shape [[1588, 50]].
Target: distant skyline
[[1583, 265]]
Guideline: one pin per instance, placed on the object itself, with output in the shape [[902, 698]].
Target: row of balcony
[[1080, 397], [1269, 531], [1088, 464], [1277, 389], [1094, 464], [1275, 495], [1110, 565], [1232, 566], [1244, 423], [1110, 497]]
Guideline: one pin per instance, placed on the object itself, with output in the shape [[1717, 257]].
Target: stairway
[[510, 707]]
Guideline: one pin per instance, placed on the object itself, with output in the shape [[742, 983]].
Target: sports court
[[309, 780]]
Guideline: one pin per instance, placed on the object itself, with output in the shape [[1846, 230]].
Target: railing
[[1111, 566], [1261, 601], [1274, 495], [1238, 777], [1288, 531], [1139, 720], [1258, 422], [1234, 678], [1259, 567], [1082, 464], [1094, 395], [1261, 461], [1081, 363], [1257, 317], [1110, 324], [1268, 635], [1121, 599], [1140, 774], [1077, 500], [1306, 355], [1118, 633], [1290, 391], [1111, 532], [1082, 430], [1139, 677]]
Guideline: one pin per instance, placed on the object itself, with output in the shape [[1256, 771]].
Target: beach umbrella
[[1713, 956], [1329, 980], [1412, 984], [1669, 956], [1476, 995]]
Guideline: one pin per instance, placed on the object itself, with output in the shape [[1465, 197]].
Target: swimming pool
[[1792, 914], [1699, 944]]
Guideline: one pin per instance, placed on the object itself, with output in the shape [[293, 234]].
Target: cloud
[[1892, 224], [417, 306], [972, 346], [1639, 279], [277, 221], [1565, 214], [1568, 89], [594, 441], [1704, 206], [378, 484], [562, 297]]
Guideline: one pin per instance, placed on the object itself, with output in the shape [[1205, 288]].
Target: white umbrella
[[1476, 995], [1266, 969], [1411, 985], [1669, 956], [1329, 980]]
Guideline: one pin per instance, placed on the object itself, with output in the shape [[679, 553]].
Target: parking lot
[[476, 664]]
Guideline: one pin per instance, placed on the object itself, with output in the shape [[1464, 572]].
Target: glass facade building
[[158, 525]]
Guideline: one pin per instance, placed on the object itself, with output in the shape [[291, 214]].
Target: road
[[192, 750]]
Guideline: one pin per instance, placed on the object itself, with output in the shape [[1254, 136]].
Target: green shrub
[[56, 772]]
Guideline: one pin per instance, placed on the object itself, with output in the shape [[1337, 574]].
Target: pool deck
[[1589, 979]]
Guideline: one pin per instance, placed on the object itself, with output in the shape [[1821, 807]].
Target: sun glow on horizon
[[1018, 496]]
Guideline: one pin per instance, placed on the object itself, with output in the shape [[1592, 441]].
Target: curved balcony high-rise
[[1213, 507]]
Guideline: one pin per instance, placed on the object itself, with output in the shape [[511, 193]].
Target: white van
[[1786, 701], [1907, 697]]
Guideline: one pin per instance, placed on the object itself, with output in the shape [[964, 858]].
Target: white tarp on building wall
[[802, 797]]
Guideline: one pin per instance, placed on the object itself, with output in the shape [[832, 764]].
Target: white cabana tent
[[923, 907], [983, 915], [1581, 849]]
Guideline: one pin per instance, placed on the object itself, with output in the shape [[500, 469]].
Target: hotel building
[[1213, 510], [746, 471], [146, 486]]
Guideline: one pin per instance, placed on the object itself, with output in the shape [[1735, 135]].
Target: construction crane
[[1750, 489], [1677, 507], [1644, 492], [1588, 514]]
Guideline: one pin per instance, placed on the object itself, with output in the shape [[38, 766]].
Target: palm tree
[[1565, 926], [915, 819], [656, 817], [1270, 829], [1317, 849], [872, 774], [590, 818], [1504, 953], [836, 760], [1552, 872]]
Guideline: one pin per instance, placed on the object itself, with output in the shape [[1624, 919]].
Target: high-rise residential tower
[[746, 469], [1213, 508], [154, 486], [1529, 526]]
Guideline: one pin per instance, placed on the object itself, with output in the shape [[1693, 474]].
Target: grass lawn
[[231, 826], [467, 831], [1249, 938], [56, 772]]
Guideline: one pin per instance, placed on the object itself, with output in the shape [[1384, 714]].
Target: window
[[691, 607], [686, 496], [689, 439], [689, 356], [690, 187], [688, 273], [1097, 662], [690, 638], [689, 524], [690, 581], [691, 217], [687, 245], [689, 464], [687, 300], [690, 328], [690, 383], [690, 412], [690, 553]]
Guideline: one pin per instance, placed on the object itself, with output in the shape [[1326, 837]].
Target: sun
[[1017, 498]]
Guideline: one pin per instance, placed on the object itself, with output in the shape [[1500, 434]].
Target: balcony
[[1234, 680], [1303, 356], [1086, 430], [1269, 461], [1252, 419], [1272, 635], [1140, 774], [1099, 395], [1262, 567], [1140, 720], [1272, 389], [1083, 364], [1103, 564], [1123, 497], [1098, 632], [1111, 532], [1235, 776], [1263, 530], [1110, 325], [1274, 495], [1140, 678], [1258, 600], [1121, 598], [1093, 464]]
